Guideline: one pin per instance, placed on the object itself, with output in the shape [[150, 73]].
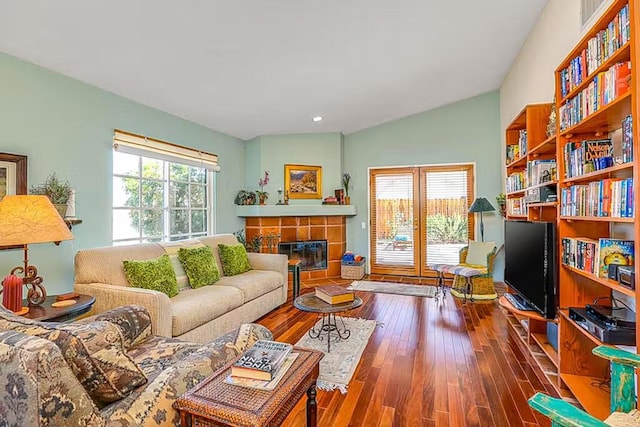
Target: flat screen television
[[531, 265]]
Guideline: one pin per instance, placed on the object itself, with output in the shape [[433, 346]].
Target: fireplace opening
[[311, 253]]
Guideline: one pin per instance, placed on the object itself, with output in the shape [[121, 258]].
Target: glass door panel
[[394, 221], [447, 192]]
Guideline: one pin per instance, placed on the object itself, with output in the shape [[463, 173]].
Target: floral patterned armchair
[[106, 370]]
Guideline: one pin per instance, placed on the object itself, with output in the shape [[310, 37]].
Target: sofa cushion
[[254, 283], [171, 249], [134, 322], [94, 352], [195, 307], [234, 259], [214, 241], [200, 266], [155, 274]]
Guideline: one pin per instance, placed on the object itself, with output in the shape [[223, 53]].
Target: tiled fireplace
[[331, 228], [312, 254]]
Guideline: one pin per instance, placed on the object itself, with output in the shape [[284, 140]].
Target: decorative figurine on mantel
[[286, 197]]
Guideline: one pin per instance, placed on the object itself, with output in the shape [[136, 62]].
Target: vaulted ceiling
[[258, 67]]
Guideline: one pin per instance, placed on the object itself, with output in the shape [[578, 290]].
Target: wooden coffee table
[[213, 402]]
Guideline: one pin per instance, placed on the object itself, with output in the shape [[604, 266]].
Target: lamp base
[[22, 311]]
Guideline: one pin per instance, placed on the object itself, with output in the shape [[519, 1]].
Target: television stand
[[518, 302], [530, 329]]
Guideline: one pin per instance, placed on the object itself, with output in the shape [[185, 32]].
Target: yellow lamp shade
[[27, 219]]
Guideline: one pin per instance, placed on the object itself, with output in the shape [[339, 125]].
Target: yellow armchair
[[481, 256]]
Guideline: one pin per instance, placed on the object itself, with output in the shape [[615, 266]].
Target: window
[[589, 10], [159, 196]]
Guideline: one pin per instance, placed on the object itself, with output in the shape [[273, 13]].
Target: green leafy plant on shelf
[[253, 245], [57, 190]]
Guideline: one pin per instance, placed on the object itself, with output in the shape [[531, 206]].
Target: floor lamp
[[480, 205]]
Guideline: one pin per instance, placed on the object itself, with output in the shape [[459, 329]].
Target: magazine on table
[[260, 384], [262, 360]]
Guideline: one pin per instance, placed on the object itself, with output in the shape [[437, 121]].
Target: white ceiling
[[258, 67]]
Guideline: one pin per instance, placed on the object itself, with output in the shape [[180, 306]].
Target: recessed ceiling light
[[317, 118]]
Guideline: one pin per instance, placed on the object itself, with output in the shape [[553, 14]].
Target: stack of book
[[595, 256], [334, 294], [263, 365]]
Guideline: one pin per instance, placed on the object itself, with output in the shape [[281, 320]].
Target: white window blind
[[393, 218], [449, 190], [139, 145]]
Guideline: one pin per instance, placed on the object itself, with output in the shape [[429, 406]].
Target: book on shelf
[[540, 171], [513, 153], [263, 384], [627, 140], [522, 141], [614, 251], [598, 154], [334, 294], [599, 48], [580, 253], [604, 88], [262, 360], [610, 197]]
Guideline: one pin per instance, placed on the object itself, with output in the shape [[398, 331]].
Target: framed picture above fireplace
[[303, 181]]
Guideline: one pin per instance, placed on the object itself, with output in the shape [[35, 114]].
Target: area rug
[[394, 288], [337, 367]]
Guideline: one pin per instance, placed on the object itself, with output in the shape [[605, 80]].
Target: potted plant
[[501, 200], [345, 181], [57, 190], [263, 195]]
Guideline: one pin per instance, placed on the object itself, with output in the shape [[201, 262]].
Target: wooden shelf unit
[[534, 119], [530, 327], [579, 370]]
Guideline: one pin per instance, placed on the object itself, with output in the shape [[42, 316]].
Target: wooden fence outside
[[395, 216]]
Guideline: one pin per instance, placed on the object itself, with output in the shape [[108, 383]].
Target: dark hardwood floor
[[428, 363]]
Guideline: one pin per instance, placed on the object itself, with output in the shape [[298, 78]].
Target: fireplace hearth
[[312, 253]]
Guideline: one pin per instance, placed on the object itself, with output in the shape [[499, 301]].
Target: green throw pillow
[[234, 259], [200, 266], [155, 274]]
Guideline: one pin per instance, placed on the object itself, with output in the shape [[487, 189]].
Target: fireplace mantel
[[295, 210]]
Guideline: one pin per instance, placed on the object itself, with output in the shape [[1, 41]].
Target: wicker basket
[[352, 270]]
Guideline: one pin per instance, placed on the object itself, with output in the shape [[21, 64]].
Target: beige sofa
[[196, 315]]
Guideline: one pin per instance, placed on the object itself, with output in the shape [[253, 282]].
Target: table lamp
[[480, 205], [28, 219]]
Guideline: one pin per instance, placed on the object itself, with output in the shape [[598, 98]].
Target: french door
[[419, 216]]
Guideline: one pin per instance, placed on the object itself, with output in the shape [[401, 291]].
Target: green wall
[[272, 152], [462, 132], [66, 126]]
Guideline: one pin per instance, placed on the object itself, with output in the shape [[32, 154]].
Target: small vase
[[263, 200], [62, 210], [347, 200]]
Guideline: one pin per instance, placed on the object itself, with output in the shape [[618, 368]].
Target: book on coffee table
[[262, 360], [334, 294], [260, 384]]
